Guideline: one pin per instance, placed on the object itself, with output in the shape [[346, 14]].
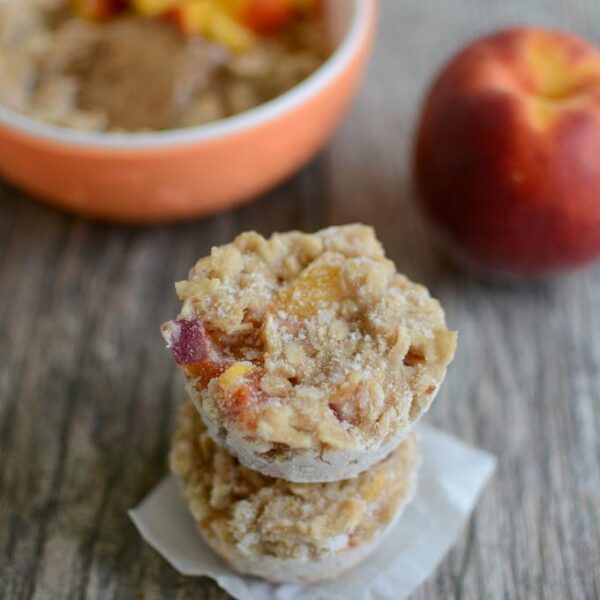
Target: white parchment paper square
[[451, 477]]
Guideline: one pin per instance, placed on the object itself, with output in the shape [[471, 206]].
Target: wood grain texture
[[88, 393]]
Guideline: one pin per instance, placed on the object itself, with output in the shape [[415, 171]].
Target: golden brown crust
[[260, 516], [326, 346]]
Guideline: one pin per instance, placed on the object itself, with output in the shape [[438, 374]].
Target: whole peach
[[507, 157]]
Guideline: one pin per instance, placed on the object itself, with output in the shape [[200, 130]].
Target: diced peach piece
[[233, 376], [187, 340], [152, 8], [206, 370], [203, 17], [97, 10], [226, 30], [267, 16], [316, 288], [190, 17], [242, 399]]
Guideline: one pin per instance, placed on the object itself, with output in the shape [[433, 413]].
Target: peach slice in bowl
[[182, 173]]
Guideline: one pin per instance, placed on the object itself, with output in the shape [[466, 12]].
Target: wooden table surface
[[88, 392]]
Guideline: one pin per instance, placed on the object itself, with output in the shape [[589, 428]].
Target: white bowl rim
[[359, 26]]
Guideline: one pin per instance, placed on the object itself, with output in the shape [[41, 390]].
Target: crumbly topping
[[263, 516], [342, 349]]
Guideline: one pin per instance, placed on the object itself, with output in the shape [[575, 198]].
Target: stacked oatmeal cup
[[308, 359]]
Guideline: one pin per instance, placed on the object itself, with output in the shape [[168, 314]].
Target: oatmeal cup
[[283, 531], [307, 355]]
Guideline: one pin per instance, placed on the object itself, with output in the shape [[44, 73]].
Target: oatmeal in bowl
[[307, 355], [150, 65], [133, 173]]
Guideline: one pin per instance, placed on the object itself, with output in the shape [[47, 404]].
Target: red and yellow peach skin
[[507, 158]]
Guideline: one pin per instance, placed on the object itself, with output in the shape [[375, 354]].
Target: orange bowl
[[176, 174]]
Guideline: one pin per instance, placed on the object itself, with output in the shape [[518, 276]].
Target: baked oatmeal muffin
[[308, 356], [283, 531]]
